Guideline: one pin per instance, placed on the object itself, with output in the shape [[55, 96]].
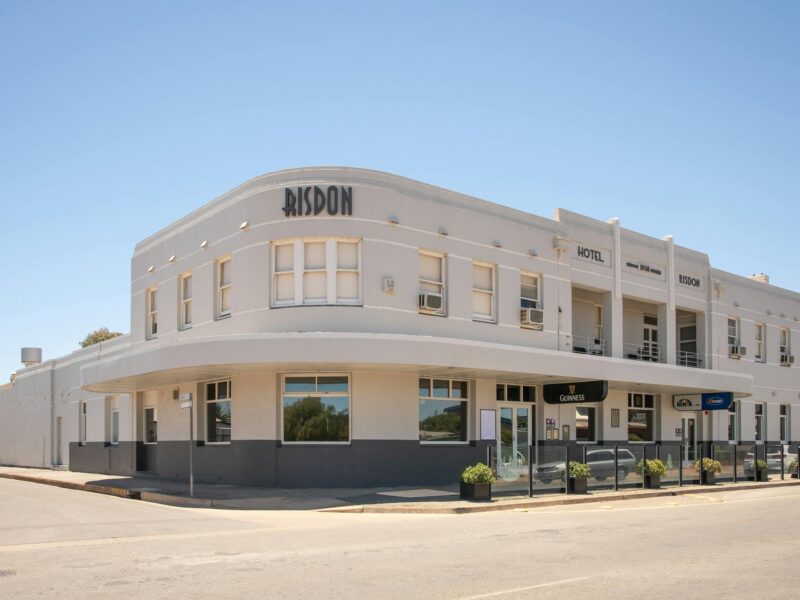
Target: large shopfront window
[[443, 405], [218, 412], [641, 417], [586, 423], [316, 408], [316, 271]]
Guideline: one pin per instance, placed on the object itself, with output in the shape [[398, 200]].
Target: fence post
[[702, 466], [566, 469], [530, 470], [735, 460], [783, 470], [644, 462], [616, 466], [680, 465]]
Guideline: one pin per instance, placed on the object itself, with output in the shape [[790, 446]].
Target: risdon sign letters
[[313, 199]]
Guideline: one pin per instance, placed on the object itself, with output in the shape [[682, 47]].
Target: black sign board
[[575, 393]]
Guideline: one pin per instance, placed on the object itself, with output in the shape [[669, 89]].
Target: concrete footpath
[[430, 500]]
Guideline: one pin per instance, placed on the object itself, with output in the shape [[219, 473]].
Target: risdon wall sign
[[308, 200]]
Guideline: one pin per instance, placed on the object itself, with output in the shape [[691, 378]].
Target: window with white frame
[[223, 287], [151, 308], [316, 271], [785, 423], [82, 423], [443, 407], [185, 301], [760, 343], [432, 283], [529, 291], [115, 427], [641, 417], [784, 347], [733, 332], [759, 421], [150, 425], [218, 412], [316, 408], [483, 300]]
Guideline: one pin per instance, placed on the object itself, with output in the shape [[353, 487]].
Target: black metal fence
[[619, 466]]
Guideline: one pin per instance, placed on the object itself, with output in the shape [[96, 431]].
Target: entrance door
[[650, 338], [513, 441], [689, 441], [58, 441]]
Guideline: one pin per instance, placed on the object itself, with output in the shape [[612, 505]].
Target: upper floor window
[[316, 408], [218, 412], [223, 287], [784, 346], [186, 301], [733, 332], [760, 340], [529, 291], [316, 272], [432, 283], [483, 300], [151, 309]]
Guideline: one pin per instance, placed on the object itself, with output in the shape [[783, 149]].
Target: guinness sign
[[575, 393]]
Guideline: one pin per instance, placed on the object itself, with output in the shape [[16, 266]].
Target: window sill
[[432, 314], [223, 316], [216, 443], [483, 320], [185, 327], [284, 443], [149, 443], [434, 444]]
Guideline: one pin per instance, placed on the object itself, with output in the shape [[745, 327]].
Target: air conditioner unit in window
[[736, 351], [430, 301], [787, 359], [531, 317]]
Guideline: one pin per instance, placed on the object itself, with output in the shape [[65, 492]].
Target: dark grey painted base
[[362, 463], [100, 457]]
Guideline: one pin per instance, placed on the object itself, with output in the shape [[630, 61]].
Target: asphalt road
[[57, 543]]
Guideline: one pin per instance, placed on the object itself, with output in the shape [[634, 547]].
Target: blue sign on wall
[[717, 400]]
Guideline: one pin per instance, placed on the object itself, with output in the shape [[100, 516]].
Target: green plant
[[709, 465], [97, 336], [793, 466], [579, 470], [479, 473], [761, 465], [651, 467]]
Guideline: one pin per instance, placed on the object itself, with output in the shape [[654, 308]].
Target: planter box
[[709, 478], [762, 475], [577, 486], [477, 492], [652, 482]]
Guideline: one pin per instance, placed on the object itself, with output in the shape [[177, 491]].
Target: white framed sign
[[488, 424]]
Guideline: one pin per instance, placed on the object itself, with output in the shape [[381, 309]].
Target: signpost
[[186, 402]]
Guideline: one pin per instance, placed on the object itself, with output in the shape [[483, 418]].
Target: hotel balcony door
[[650, 339], [689, 440]]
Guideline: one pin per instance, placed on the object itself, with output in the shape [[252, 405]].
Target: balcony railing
[[689, 359], [649, 352], [584, 344]]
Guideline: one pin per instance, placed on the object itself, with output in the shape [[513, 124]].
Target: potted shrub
[[761, 473], [652, 470], [476, 483], [793, 468], [579, 473], [710, 468]]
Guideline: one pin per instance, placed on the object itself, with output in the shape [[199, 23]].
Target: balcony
[[689, 359], [648, 351], [583, 344]]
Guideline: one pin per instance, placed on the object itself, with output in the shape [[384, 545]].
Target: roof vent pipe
[[31, 356]]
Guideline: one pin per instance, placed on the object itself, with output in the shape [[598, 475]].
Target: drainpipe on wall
[[53, 448]]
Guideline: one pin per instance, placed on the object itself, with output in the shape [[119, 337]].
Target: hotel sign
[[308, 200], [575, 393], [598, 256], [690, 281]]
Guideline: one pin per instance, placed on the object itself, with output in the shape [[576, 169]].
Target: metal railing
[[688, 359], [649, 352], [584, 344], [619, 466]]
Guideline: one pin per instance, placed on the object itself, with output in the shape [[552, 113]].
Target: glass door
[[513, 442], [689, 441], [650, 338]]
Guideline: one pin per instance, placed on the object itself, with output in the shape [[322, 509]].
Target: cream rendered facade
[[644, 314]]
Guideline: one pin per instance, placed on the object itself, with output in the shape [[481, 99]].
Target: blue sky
[[116, 118]]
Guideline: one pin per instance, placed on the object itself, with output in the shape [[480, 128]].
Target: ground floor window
[[784, 424], [218, 412], [115, 427], [586, 423], [316, 408], [150, 426], [759, 422], [82, 423], [641, 417], [443, 410], [732, 422]]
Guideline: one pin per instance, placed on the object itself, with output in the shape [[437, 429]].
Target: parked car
[[773, 462], [600, 461]]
